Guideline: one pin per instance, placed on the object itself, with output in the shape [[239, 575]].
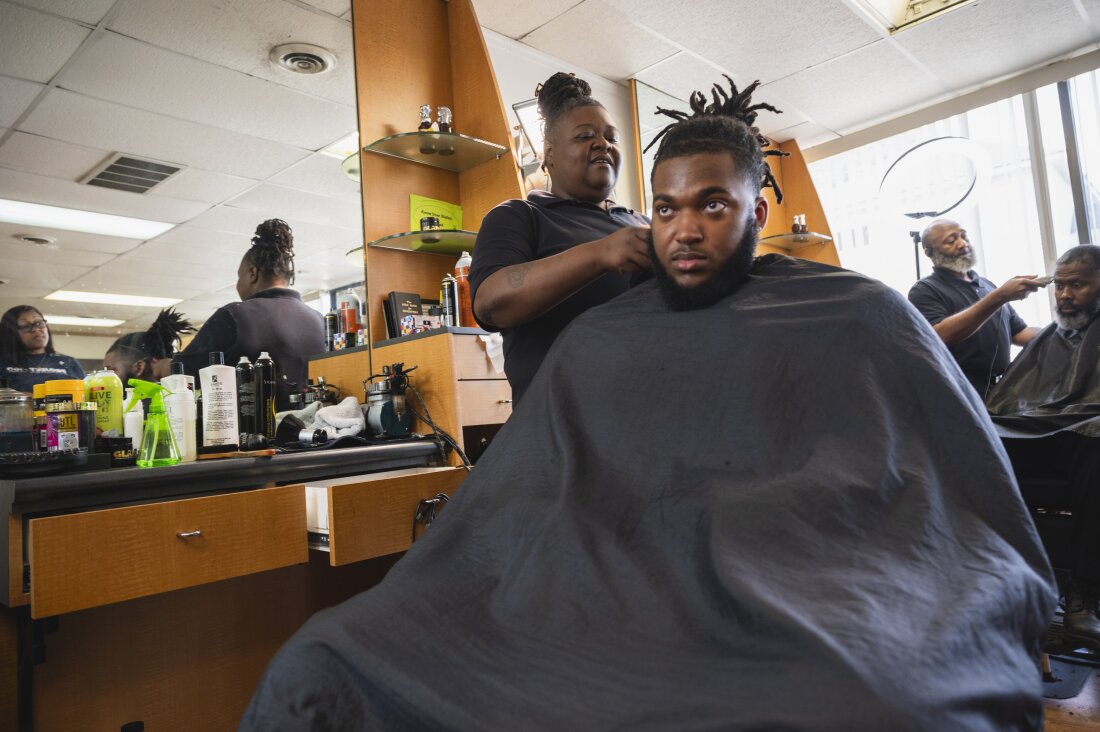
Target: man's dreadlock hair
[[726, 124]]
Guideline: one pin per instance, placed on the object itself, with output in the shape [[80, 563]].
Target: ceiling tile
[[50, 276], [195, 184], [188, 238], [309, 237], [332, 7], [319, 174], [682, 74], [271, 201], [86, 11], [124, 280], [67, 116], [51, 158], [870, 87], [807, 134], [978, 43], [35, 46], [175, 85], [21, 186], [619, 54], [517, 18], [239, 35], [18, 251], [327, 270], [15, 96], [70, 239]]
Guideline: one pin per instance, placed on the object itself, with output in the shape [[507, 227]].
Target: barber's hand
[[1018, 288], [626, 251]]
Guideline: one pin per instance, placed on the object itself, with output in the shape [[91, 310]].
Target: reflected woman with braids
[[270, 317], [146, 355], [542, 261]]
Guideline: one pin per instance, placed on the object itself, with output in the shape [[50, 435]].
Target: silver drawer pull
[[504, 401], [188, 534]]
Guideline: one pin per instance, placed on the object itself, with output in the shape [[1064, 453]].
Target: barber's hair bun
[[273, 249], [561, 92]]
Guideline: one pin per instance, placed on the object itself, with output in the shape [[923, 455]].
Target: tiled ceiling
[[188, 82]]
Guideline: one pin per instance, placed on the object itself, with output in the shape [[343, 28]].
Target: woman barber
[[541, 262], [27, 355], [270, 317]]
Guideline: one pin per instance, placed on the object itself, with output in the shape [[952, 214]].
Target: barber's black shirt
[[985, 355], [520, 231], [273, 320]]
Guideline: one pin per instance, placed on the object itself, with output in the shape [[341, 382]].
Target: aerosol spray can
[[246, 396], [449, 297], [332, 326], [264, 379]]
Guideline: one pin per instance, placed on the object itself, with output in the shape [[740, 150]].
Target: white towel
[[341, 420]]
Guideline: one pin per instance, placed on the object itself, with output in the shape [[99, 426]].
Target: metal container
[[16, 421], [449, 296]]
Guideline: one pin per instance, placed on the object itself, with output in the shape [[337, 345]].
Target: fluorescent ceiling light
[[75, 320], [897, 15], [70, 219], [108, 298]]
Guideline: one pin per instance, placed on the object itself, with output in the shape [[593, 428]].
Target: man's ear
[[139, 369], [761, 212]]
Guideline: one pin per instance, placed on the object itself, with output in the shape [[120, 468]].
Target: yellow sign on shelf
[[449, 214]]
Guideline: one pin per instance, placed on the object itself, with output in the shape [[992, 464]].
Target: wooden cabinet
[[82, 560]]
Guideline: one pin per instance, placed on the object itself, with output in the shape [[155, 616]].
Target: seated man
[[752, 493], [1047, 407]]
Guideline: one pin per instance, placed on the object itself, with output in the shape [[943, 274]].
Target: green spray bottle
[[158, 444]]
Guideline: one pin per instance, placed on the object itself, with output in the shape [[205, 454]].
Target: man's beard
[[1081, 318], [954, 262], [724, 281]]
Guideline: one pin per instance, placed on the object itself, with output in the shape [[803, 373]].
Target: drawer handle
[[504, 401], [188, 534]]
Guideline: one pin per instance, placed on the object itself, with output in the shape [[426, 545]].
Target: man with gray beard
[[971, 315], [1047, 411]]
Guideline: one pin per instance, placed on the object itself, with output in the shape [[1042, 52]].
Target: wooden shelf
[[795, 241], [447, 150], [451, 242]]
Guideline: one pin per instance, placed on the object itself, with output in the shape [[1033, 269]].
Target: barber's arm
[[965, 323]]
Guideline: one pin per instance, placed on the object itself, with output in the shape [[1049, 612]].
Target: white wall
[[90, 347], [519, 69]]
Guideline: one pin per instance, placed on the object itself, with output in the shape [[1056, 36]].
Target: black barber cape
[[1053, 385], [786, 511]]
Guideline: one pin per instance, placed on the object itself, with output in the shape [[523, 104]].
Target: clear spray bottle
[[158, 444]]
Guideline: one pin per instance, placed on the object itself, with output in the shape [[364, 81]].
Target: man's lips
[[687, 261]]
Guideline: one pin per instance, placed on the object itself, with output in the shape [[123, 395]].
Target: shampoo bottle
[[180, 404], [219, 403], [105, 389], [265, 395], [158, 444], [133, 420]]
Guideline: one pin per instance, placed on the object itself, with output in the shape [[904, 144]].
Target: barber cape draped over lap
[[785, 511], [1053, 385]]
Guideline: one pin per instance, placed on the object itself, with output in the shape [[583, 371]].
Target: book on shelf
[[405, 311]]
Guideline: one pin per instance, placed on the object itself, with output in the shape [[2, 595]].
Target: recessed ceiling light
[[74, 320], [302, 58], [346, 145], [71, 219], [897, 15], [38, 241], [108, 298]]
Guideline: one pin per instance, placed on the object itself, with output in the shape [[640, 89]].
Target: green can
[[105, 389]]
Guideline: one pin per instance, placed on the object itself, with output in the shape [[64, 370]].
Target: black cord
[[426, 511], [426, 417]]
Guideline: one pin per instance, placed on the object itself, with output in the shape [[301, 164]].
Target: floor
[[1079, 713]]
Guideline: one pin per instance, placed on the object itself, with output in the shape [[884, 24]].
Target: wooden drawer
[[470, 359], [83, 560], [483, 402], [372, 515]]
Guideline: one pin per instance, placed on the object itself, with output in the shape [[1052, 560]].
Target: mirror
[[647, 100]]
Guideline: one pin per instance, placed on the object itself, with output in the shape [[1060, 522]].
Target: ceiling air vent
[[302, 58], [129, 173]]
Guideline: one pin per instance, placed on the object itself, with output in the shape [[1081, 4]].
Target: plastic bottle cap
[[244, 360], [177, 367], [263, 355], [217, 358]]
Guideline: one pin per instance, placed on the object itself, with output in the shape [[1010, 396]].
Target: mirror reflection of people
[[270, 317], [27, 355], [140, 355], [542, 261], [1047, 409], [968, 312], [718, 504]]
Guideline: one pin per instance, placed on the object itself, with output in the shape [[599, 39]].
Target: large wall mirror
[[194, 85], [650, 124]]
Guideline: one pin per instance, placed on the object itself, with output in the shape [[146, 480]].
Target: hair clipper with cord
[[386, 411]]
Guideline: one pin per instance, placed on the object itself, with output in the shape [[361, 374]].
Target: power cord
[[426, 418]]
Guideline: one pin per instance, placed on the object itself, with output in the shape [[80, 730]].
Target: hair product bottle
[[264, 369], [133, 420], [246, 395], [219, 403], [465, 307], [105, 389], [180, 404]]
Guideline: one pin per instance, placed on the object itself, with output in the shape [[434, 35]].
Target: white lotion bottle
[[180, 405], [133, 421], [219, 403]]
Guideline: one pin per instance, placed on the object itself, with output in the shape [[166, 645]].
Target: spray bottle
[[158, 444]]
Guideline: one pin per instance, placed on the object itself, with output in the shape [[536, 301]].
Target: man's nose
[[687, 228]]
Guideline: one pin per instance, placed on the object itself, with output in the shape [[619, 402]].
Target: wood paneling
[[470, 359], [183, 660], [799, 197], [389, 270], [484, 402], [87, 559], [345, 371], [374, 518]]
